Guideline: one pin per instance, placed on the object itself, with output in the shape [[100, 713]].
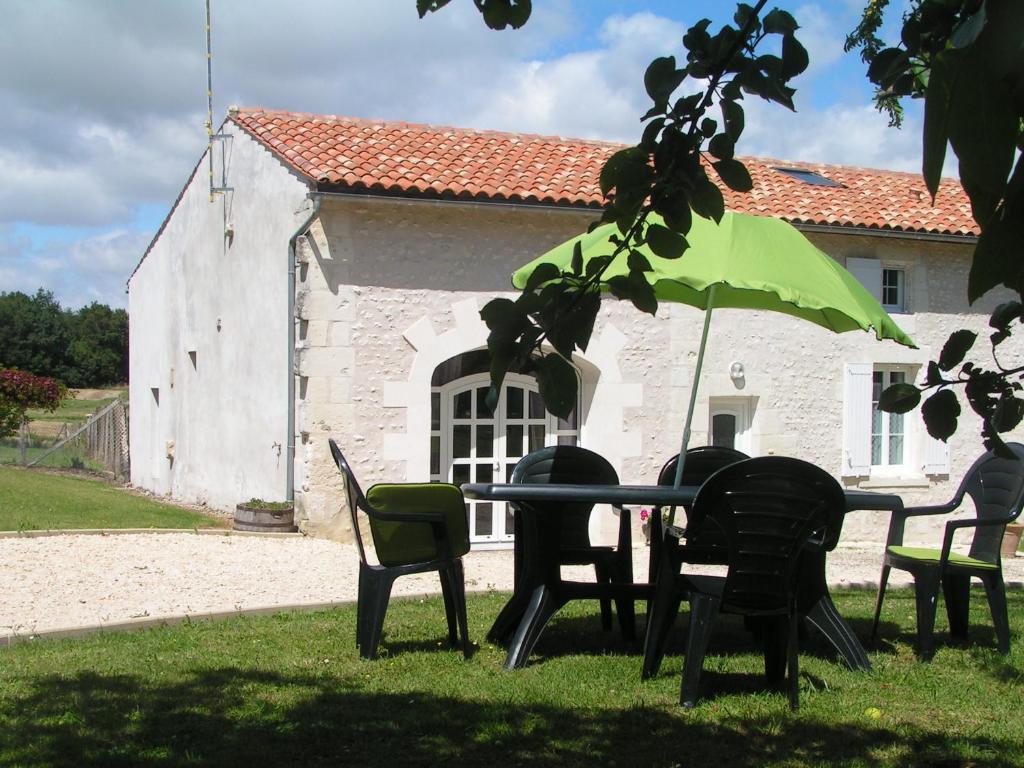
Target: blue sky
[[102, 103]]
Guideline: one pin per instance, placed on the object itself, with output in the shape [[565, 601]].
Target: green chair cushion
[[401, 543], [934, 555]]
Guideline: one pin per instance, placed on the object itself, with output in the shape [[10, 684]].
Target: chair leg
[[624, 606], [703, 611], [995, 589], [926, 596], [604, 576], [664, 608], [956, 590], [882, 581], [375, 589], [447, 592], [459, 590], [775, 641], [792, 654]]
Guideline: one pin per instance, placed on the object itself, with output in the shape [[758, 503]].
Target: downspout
[[290, 453]]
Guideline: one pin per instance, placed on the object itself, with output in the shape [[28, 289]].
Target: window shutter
[[857, 420], [936, 455], [869, 273]]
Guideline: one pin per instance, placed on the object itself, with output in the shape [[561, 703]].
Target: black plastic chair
[[996, 486], [572, 464], [416, 528], [701, 463], [767, 510]]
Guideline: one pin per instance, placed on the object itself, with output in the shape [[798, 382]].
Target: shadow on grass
[[230, 717]]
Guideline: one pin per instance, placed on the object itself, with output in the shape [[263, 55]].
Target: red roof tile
[[348, 154]]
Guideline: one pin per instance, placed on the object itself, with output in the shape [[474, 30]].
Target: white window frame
[[738, 407], [922, 455], [900, 305], [553, 431], [870, 273], [907, 462]]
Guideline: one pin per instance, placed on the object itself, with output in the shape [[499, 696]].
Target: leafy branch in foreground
[[665, 173], [965, 58], [992, 394]]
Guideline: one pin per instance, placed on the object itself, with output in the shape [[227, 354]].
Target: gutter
[[290, 437]]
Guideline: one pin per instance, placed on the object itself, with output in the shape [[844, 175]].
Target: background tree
[[20, 391], [83, 348], [34, 334]]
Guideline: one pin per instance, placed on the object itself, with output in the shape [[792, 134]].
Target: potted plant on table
[[265, 516]]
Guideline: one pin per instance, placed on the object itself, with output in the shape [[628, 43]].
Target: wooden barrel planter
[[263, 517]]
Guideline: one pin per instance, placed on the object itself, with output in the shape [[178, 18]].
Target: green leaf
[[708, 126], [732, 114], [780, 22], [938, 97], [722, 146], [955, 349], [637, 262], [625, 167], [934, 377], [967, 31], [1005, 314], [794, 57], [940, 412], [707, 201], [542, 273], [641, 293], [899, 398], [662, 78], [996, 260], [734, 174], [577, 258], [596, 264], [556, 380], [499, 14], [887, 65], [1008, 413], [664, 242], [675, 210], [423, 7], [504, 318]]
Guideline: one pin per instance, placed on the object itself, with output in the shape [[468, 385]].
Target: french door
[[477, 446]]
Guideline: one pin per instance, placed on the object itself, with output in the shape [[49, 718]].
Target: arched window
[[469, 444]]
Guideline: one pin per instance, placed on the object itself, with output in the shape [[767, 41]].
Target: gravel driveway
[[74, 581]]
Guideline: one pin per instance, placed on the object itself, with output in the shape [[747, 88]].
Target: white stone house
[[332, 288]]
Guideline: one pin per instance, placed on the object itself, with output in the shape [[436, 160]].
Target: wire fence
[[100, 444]]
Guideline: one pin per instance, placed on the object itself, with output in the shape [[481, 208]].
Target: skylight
[[809, 177]]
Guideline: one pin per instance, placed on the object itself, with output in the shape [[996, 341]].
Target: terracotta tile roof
[[392, 158]]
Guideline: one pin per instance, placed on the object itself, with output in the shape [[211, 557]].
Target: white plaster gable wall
[[392, 288], [225, 300]]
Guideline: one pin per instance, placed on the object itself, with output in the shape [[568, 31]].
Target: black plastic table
[[539, 591]]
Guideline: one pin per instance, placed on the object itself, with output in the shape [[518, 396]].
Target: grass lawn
[[73, 409], [33, 500], [290, 690]]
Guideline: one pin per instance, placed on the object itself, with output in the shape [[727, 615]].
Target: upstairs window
[[892, 298], [888, 284]]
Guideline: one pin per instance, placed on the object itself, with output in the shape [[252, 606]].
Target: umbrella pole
[[693, 393]]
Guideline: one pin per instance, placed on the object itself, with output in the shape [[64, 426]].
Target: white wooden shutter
[[857, 419], [869, 273], [936, 453]]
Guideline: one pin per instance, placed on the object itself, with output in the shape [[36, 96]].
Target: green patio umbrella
[[743, 262]]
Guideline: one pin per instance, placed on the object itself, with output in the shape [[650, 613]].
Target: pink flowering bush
[[20, 391]]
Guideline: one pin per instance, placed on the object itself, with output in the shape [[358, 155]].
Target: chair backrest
[[767, 509], [701, 463], [996, 486], [404, 542], [353, 493], [567, 464]]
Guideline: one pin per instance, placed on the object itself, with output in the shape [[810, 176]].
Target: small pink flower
[[645, 515]]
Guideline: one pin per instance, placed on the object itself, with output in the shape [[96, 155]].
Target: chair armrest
[[954, 525], [898, 519]]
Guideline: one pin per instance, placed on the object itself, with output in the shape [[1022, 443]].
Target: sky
[[103, 102]]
